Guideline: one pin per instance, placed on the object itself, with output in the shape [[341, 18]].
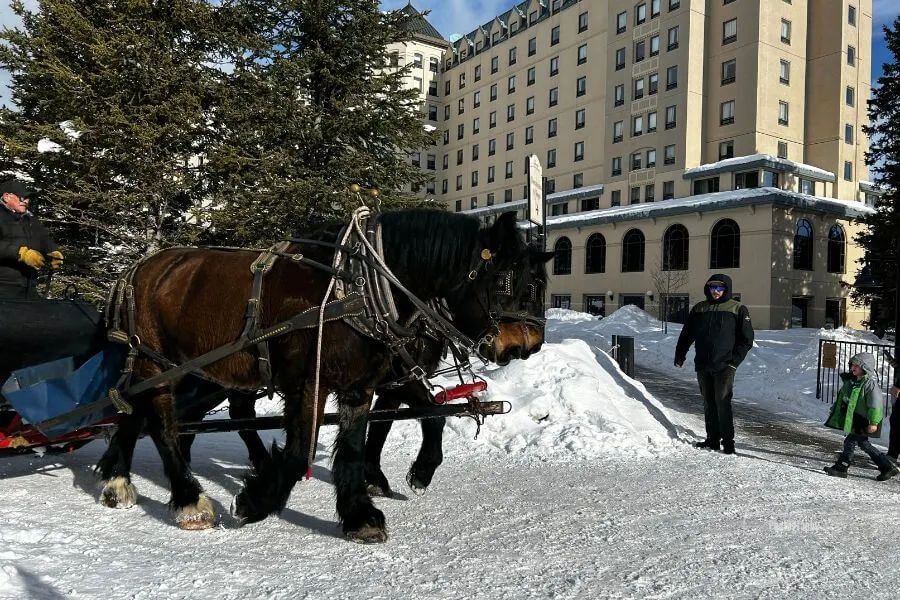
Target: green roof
[[419, 26]]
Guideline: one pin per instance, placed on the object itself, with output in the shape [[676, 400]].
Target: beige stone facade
[[638, 108]]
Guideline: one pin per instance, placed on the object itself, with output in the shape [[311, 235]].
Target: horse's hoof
[[243, 511], [368, 534], [415, 484], [201, 515], [377, 491], [118, 492]]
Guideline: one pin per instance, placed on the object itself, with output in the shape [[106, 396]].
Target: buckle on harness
[[417, 373], [115, 396]]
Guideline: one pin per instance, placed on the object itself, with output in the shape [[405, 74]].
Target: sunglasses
[[716, 287]]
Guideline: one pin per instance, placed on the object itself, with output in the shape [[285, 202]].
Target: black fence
[[834, 358], [623, 352]]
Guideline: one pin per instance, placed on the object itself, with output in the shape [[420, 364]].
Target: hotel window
[[616, 166], [726, 113], [848, 170], [512, 56], [551, 128], [639, 51], [529, 105], [532, 17], [447, 88], [782, 150], [551, 158], [429, 187], [416, 159], [784, 72], [477, 73], [446, 162], [640, 14], [674, 4], [476, 99], [785, 31], [531, 77], [654, 45], [491, 174], [670, 117], [495, 64], [417, 83], [474, 178], [579, 118], [446, 136], [580, 87], [509, 170], [432, 112], [578, 180], [554, 66], [848, 134], [849, 96], [529, 135], [669, 155], [726, 149], [458, 202], [511, 84], [638, 89], [619, 95], [582, 54], [532, 46], [615, 198], [492, 119], [554, 96], [649, 193], [668, 190], [490, 199], [432, 88], [459, 156], [748, 179], [636, 161], [652, 83], [621, 22], [476, 126], [782, 112], [636, 199], [654, 8], [651, 122], [492, 147], [729, 71], [474, 152], [493, 92], [851, 56], [510, 140], [473, 203], [460, 131], [554, 36], [579, 151], [651, 158], [558, 209], [851, 15], [672, 78], [462, 106], [807, 186], [458, 183], [637, 126], [620, 59], [395, 59], [417, 61], [729, 31], [582, 22], [673, 38], [462, 80], [618, 131], [507, 195]]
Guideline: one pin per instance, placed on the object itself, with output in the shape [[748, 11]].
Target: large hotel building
[[678, 138]]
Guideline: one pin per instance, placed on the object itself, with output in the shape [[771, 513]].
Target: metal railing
[[834, 358]]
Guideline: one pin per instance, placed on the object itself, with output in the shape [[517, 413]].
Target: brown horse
[[191, 301]]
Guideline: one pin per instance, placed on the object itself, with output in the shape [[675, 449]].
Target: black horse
[[190, 301]]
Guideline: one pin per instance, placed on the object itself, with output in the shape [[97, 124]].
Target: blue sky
[[462, 16]]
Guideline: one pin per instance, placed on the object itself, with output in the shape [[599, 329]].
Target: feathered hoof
[[118, 492], [244, 510], [376, 491], [415, 483], [201, 515], [368, 534]]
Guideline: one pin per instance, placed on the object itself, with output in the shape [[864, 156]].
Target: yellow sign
[[829, 355]]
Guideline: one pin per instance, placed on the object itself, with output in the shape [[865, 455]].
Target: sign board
[[829, 355], [535, 190]]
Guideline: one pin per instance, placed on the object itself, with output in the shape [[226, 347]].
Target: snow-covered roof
[[495, 208], [711, 202], [759, 161], [588, 191]]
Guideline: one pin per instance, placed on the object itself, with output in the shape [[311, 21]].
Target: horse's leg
[[376, 482], [184, 445], [193, 510], [114, 467], [241, 405], [431, 453], [361, 520], [268, 486]]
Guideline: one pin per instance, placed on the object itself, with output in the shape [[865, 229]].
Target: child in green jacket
[[858, 411]]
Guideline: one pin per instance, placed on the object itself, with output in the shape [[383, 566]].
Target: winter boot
[[887, 468], [728, 447], [838, 469], [707, 445]]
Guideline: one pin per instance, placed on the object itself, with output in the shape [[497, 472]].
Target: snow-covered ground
[[587, 489]]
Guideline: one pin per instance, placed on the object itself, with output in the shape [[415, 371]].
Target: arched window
[[595, 254], [837, 249], [803, 246], [725, 245], [633, 251], [562, 260], [675, 248]]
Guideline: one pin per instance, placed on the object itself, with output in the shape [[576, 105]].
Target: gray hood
[[866, 360]]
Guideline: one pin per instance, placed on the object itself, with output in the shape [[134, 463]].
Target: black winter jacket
[[721, 330], [17, 231]]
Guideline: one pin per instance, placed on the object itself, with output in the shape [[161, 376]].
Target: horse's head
[[509, 281]]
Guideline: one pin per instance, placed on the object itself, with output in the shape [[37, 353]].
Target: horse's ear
[[504, 233]]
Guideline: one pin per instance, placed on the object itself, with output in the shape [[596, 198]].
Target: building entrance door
[[635, 299], [799, 312]]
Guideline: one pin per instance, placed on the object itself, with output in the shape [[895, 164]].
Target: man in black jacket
[[25, 244], [720, 326]]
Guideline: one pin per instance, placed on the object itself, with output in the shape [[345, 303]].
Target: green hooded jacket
[[856, 397]]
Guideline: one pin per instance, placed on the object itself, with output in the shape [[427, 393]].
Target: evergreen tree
[[112, 98], [312, 109], [882, 235]]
